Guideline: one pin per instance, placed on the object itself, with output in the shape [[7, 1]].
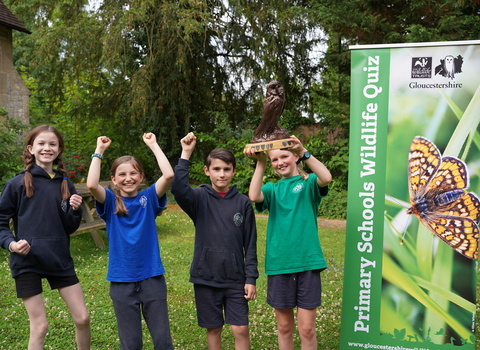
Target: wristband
[[305, 156], [10, 247], [97, 155]]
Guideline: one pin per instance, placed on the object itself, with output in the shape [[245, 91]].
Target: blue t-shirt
[[134, 252]]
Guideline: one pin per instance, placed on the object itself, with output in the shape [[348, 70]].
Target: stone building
[[14, 95]]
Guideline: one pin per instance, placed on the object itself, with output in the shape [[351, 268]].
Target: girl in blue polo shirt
[[135, 269]]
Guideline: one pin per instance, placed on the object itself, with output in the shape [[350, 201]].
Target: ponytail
[[61, 167], [302, 172], [28, 178], [120, 209]]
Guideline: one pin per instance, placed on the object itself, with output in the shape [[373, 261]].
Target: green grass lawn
[[176, 238]]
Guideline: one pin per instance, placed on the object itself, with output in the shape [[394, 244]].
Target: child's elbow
[[168, 176], [325, 180], [91, 185], [255, 198]]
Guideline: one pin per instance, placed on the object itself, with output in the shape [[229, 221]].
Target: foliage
[[334, 206], [130, 67], [163, 67], [11, 147], [176, 236]]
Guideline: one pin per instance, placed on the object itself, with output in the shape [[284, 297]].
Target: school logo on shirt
[[298, 188], [238, 219], [143, 201], [64, 205]]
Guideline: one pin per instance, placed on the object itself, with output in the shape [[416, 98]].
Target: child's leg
[[285, 324], [214, 341], [38, 321], [73, 297], [242, 338], [155, 311], [126, 305], [306, 328]]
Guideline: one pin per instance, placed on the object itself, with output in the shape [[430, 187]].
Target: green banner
[[413, 211]]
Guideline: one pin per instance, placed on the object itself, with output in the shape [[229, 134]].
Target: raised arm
[[93, 178], [255, 191], [323, 174], [163, 183], [188, 145]]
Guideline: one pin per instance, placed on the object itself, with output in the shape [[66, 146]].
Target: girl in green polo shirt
[[294, 257]]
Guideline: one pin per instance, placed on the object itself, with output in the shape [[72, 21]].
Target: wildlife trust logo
[[421, 67], [447, 67]]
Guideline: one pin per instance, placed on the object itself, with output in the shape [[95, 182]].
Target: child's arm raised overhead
[[164, 181], [255, 191], [93, 178], [188, 145]]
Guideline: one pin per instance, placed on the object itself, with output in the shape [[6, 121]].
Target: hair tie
[[65, 178]]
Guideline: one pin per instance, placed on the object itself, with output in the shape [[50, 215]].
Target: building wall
[[14, 95]]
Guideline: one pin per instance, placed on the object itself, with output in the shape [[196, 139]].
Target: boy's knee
[[240, 331], [214, 331], [307, 332], [285, 328]]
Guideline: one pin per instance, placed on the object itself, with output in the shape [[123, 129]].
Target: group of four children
[[45, 211]]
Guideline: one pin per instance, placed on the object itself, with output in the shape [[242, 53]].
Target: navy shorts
[[302, 289], [212, 302], [30, 283]]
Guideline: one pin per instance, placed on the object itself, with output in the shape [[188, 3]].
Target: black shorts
[[30, 283], [212, 302], [302, 289]]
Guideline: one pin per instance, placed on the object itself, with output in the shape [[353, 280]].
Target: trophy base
[[270, 145]]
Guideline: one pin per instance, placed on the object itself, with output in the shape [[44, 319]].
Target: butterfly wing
[[451, 175], [423, 161], [439, 199], [459, 232]]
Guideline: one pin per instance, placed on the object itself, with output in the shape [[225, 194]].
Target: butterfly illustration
[[439, 197]]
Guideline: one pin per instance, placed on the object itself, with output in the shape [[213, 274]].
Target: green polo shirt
[[293, 244]]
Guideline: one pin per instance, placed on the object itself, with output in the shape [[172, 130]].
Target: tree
[[166, 66]]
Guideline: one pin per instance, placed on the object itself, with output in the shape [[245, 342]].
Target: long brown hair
[[119, 203], [29, 160]]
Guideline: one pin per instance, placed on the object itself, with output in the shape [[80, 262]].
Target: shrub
[[11, 147]]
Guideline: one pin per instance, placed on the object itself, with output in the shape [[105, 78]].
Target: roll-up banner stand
[[413, 209]]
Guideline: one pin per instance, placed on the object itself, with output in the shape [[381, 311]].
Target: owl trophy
[[269, 135]]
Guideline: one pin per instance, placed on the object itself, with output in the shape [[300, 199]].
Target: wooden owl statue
[[272, 110]]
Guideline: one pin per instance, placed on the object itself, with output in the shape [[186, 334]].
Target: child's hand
[[250, 152], [297, 146], [149, 139], [103, 142], [188, 142], [20, 247], [75, 201], [250, 291]]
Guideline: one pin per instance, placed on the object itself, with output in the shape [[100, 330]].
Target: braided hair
[[119, 203], [29, 160]]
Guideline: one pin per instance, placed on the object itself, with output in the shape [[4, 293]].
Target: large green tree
[[165, 66]]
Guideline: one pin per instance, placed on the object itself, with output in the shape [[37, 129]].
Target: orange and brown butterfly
[[439, 197]]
